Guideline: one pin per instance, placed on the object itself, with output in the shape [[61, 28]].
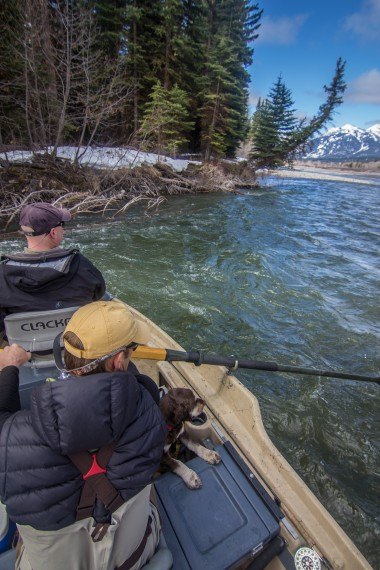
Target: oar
[[232, 362]]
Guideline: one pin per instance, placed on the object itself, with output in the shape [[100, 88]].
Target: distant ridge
[[347, 143]]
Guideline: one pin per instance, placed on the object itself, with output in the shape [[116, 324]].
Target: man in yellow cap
[[76, 470]]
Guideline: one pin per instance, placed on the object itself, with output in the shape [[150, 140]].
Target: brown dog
[[177, 406]]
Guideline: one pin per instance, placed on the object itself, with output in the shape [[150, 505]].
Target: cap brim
[[142, 334]]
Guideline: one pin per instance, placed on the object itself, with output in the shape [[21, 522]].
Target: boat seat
[[231, 519], [36, 330]]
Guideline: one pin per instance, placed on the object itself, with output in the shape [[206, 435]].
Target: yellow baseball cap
[[104, 326]]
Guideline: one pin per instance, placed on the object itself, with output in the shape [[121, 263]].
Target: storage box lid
[[219, 524]]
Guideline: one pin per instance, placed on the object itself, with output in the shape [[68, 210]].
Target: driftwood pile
[[84, 189]]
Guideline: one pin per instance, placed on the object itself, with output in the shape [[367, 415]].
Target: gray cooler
[[229, 520]]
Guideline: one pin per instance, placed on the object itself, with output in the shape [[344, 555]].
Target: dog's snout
[[198, 408]]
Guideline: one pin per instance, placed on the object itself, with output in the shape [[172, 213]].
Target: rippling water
[[288, 273]]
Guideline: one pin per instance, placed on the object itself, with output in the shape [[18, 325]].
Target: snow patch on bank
[[104, 157]]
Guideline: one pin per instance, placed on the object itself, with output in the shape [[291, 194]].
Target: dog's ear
[[177, 404], [185, 401], [166, 406]]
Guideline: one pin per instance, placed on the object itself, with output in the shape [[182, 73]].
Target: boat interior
[[230, 522], [235, 520]]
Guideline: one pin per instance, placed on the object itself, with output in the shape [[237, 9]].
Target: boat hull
[[233, 415]]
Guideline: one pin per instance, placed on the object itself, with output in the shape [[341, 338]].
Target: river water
[[288, 273]]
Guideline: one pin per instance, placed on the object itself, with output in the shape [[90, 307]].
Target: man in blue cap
[[44, 276]]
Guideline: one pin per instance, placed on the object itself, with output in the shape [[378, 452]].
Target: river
[[288, 273]]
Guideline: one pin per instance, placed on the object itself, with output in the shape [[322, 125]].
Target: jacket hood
[[33, 272], [39, 256], [31, 281], [84, 412]]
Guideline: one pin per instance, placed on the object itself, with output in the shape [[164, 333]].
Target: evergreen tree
[[299, 140], [165, 120], [170, 28], [111, 21], [232, 26], [68, 66], [277, 135], [284, 114], [142, 59], [274, 123], [188, 58], [265, 136], [12, 95]]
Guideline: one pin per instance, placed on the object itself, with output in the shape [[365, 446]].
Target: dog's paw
[[192, 480], [213, 457]]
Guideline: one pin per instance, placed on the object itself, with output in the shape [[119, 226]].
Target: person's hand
[[13, 355]]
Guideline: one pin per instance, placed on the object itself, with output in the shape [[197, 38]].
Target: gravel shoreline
[[323, 174]]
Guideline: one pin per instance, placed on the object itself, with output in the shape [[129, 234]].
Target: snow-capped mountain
[[347, 143]]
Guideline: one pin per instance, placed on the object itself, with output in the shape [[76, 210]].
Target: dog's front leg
[[188, 475], [202, 452]]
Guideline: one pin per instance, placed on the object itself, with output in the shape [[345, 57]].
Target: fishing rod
[[199, 357]]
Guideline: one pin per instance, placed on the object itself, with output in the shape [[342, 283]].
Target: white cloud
[[366, 22], [280, 31], [365, 88]]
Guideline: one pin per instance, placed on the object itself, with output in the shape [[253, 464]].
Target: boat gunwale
[[311, 519]]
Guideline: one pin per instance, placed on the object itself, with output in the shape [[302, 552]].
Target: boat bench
[[230, 520], [35, 331]]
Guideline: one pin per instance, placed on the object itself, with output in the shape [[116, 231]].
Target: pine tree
[[187, 66], [165, 120], [144, 44], [57, 80], [284, 114], [265, 136], [12, 96], [232, 27], [274, 123], [277, 134], [299, 140], [111, 19], [170, 30]]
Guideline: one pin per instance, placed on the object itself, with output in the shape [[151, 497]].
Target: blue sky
[[302, 39]]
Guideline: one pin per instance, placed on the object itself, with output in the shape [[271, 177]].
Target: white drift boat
[[253, 511]]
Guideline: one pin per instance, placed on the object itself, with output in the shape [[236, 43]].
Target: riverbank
[[322, 173], [109, 180], [106, 180]]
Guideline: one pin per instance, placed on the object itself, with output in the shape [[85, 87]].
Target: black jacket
[[46, 281], [38, 483]]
